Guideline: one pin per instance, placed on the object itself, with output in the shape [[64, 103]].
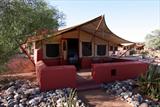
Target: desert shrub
[[71, 102], [149, 83], [3, 68]]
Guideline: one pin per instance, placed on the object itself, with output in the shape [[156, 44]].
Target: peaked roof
[[96, 26]]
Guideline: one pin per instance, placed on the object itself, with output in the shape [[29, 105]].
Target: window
[[116, 48], [101, 50], [52, 50], [111, 48], [86, 48]]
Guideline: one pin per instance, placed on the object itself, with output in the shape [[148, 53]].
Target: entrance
[[73, 51]]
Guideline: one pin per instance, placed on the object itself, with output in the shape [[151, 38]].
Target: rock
[[21, 105], [59, 92], [124, 88], [138, 98], [59, 105], [11, 102], [11, 84], [38, 99], [59, 101], [129, 100], [126, 96], [16, 105], [144, 105], [33, 102], [119, 91], [135, 103], [23, 101], [31, 91], [17, 96], [10, 90], [24, 94], [9, 97]]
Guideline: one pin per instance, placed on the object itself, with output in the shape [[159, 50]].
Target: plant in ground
[[71, 102], [149, 83]]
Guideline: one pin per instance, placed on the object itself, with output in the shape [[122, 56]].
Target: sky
[[129, 19]]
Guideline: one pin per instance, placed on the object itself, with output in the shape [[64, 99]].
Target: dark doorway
[[73, 51]]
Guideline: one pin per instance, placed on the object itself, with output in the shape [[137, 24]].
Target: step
[[88, 87]]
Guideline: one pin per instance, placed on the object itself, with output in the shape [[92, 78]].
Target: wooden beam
[[78, 42], [95, 35], [96, 31], [99, 23]]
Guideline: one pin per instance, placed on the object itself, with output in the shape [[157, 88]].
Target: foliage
[[70, 100], [149, 83], [20, 18], [152, 40], [144, 53], [3, 68]]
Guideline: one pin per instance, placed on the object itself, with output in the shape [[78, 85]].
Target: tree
[[20, 18], [152, 40]]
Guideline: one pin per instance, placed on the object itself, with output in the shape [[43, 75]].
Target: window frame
[[45, 51], [111, 49], [115, 48], [97, 50], [82, 49]]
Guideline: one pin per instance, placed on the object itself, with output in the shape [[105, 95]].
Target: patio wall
[[53, 77], [108, 72], [86, 62]]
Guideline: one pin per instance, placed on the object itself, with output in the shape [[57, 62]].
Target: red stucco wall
[[124, 70], [53, 77], [86, 62]]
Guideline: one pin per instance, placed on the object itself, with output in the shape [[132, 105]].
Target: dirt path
[[98, 98]]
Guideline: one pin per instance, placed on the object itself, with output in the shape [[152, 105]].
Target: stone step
[[88, 86]]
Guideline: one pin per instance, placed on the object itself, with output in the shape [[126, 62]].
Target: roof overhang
[[96, 27]]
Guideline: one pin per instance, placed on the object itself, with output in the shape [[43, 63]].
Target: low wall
[[108, 72], [86, 62], [53, 77]]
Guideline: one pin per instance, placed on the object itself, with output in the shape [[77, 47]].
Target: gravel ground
[[125, 90], [23, 93]]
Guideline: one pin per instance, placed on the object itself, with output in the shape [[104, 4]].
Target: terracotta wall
[[53, 77], [86, 62], [107, 72]]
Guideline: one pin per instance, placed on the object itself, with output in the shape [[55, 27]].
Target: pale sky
[[129, 19]]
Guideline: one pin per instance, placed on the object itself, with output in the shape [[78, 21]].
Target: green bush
[[149, 84], [3, 68]]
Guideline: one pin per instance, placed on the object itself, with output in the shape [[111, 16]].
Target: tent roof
[[96, 27]]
